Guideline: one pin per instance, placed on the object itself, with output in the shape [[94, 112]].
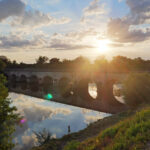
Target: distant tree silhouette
[[117, 64], [2, 65], [41, 60], [101, 64], [54, 61]]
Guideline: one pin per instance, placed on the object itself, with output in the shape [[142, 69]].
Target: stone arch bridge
[[68, 87]]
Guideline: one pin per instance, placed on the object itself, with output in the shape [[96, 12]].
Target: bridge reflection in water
[[78, 89]]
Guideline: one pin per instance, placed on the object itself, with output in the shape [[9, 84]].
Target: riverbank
[[90, 132]]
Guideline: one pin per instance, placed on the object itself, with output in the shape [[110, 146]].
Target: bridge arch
[[23, 78], [13, 81], [47, 84], [23, 82], [81, 89], [13, 77], [65, 86], [34, 83]]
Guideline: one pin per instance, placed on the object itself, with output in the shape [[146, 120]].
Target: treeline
[[117, 64]]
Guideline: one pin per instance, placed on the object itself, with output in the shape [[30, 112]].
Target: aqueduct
[[68, 87]]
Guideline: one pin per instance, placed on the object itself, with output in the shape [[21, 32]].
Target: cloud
[[120, 29], [68, 41], [23, 17], [139, 11], [38, 19], [39, 40], [120, 1], [81, 34], [95, 14], [89, 118], [60, 44], [75, 40], [18, 41], [13, 41], [11, 8], [43, 112], [94, 9]]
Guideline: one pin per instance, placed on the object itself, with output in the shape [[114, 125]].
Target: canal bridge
[[68, 87]]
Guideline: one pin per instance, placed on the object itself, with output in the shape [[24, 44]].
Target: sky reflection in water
[[54, 117]]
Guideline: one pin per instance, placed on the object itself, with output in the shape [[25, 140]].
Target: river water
[[39, 114]]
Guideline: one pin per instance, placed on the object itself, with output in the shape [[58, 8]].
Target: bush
[[136, 89], [73, 145], [129, 134]]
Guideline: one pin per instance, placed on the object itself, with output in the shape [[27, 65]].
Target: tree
[[8, 117], [2, 65], [43, 137], [136, 89], [54, 61], [101, 64], [81, 64], [121, 64], [41, 60]]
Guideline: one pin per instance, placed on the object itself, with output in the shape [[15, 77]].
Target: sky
[[67, 29]]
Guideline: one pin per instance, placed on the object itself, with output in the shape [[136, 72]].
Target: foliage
[[42, 60], [73, 145], [117, 64], [42, 137], [54, 61], [2, 65], [132, 133], [8, 117], [101, 63], [136, 89]]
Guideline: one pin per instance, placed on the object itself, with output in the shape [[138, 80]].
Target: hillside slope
[[133, 133]]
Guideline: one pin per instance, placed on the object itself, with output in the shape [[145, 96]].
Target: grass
[[132, 133]]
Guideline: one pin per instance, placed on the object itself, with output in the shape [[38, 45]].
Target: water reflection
[[92, 88], [117, 90], [54, 117]]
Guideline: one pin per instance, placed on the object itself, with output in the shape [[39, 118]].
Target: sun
[[103, 46]]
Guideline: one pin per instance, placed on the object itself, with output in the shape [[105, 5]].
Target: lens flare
[[49, 96], [22, 121]]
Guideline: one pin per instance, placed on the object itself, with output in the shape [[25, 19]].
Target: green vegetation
[[117, 64], [2, 65], [136, 89], [42, 137], [8, 117], [73, 145], [130, 134]]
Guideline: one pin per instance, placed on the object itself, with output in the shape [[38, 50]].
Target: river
[[39, 114]]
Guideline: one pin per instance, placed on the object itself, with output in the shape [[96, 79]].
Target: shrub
[[136, 89], [73, 145]]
